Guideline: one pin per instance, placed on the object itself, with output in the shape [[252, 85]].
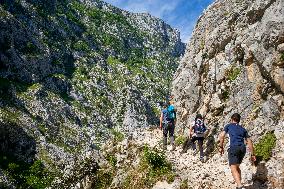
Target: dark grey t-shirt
[[237, 134]]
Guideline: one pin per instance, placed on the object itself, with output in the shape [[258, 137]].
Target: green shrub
[[3, 14], [78, 6], [56, 62], [10, 116], [113, 61], [72, 15], [170, 176], [157, 111], [111, 40], [263, 149], [155, 159], [12, 167], [81, 46], [282, 57], [152, 168], [202, 44], [30, 49], [204, 55], [225, 95], [118, 136], [96, 16], [37, 176], [184, 184], [233, 73], [180, 140], [111, 159], [26, 175], [103, 179], [42, 128]]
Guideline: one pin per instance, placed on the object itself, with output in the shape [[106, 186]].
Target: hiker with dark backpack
[[197, 133], [167, 123]]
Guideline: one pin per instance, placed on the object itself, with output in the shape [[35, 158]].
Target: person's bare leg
[[240, 172], [236, 174]]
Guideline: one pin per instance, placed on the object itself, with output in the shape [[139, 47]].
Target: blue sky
[[180, 14]]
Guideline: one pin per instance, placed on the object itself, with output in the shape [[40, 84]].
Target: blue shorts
[[236, 154]]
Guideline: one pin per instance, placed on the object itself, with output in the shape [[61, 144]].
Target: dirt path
[[213, 174]]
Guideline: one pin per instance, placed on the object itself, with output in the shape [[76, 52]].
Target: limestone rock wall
[[234, 63]]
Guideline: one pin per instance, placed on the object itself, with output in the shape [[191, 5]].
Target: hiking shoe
[[183, 151], [173, 147], [202, 159], [240, 187]]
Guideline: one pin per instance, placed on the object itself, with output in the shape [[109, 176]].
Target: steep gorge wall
[[72, 72], [235, 63]]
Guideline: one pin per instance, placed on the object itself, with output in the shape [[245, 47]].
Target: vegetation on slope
[[263, 149], [153, 167], [26, 175], [68, 69]]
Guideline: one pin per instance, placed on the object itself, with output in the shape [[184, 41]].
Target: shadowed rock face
[[16, 143], [70, 70], [234, 63]]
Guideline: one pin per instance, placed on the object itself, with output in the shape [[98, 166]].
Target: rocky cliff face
[[72, 71], [235, 63]]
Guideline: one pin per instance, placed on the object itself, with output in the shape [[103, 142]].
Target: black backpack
[[199, 126]]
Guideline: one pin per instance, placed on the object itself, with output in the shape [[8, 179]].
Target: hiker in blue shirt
[[237, 149], [167, 123]]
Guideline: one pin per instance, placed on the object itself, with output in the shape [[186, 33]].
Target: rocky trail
[[213, 173]]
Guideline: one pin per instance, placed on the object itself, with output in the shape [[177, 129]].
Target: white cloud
[[186, 27], [187, 31], [157, 8], [166, 8]]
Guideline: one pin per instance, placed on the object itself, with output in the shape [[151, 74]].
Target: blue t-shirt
[[237, 134]]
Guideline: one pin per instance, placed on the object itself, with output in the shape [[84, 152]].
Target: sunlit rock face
[[234, 62]]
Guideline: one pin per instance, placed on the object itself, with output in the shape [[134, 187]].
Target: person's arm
[[190, 131], [161, 120], [251, 149], [172, 108], [175, 121], [221, 144], [207, 130]]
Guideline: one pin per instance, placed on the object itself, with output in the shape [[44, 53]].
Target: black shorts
[[197, 139], [168, 128], [236, 154]]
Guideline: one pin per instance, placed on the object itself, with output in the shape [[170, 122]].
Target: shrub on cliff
[[25, 175], [153, 167], [263, 149]]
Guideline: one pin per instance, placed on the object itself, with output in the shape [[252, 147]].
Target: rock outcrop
[[234, 63]]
